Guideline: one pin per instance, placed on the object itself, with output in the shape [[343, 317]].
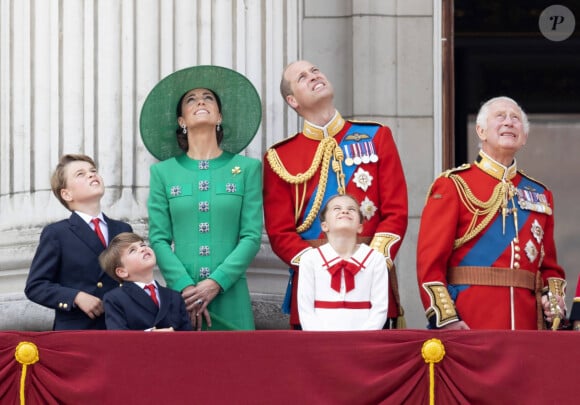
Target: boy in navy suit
[[139, 303], [65, 274]]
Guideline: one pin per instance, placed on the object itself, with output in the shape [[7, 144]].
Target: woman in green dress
[[205, 200]]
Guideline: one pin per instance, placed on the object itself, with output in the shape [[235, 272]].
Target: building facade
[[74, 75]]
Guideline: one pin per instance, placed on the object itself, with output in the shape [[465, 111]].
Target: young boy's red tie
[[152, 292], [95, 222]]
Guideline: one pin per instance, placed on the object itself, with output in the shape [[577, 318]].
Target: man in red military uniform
[[331, 156], [485, 251]]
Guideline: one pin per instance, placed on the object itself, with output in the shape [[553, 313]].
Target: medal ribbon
[[332, 185], [490, 246]]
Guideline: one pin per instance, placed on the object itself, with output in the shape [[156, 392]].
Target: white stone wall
[[74, 74]]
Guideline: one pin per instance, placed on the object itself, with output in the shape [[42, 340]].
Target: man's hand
[[170, 329], [459, 325], [89, 304], [553, 308]]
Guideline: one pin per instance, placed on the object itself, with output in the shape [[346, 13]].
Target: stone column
[[73, 77]]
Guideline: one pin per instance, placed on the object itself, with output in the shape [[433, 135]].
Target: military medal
[[357, 153], [362, 179], [537, 231], [531, 200], [374, 158], [531, 251], [348, 160], [368, 208], [366, 153]]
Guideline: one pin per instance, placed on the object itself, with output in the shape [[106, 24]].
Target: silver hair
[[483, 113]]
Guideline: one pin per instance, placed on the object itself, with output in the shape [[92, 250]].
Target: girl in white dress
[[342, 285]]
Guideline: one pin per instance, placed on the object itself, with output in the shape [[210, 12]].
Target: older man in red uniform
[[331, 156], [486, 247]]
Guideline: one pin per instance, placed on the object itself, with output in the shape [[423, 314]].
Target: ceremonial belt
[[501, 277], [316, 243], [492, 276], [343, 304]]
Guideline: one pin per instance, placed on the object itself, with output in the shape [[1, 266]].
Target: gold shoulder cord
[[326, 149], [477, 207]]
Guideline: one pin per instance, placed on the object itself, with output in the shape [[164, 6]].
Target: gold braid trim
[[323, 149], [477, 207], [442, 306], [337, 168], [324, 152], [556, 286]]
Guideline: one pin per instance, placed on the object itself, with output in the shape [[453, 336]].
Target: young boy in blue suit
[[140, 303], [65, 274]]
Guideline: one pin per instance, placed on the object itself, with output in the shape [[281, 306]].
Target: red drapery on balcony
[[290, 367]]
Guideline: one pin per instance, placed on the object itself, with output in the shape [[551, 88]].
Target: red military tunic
[[379, 185], [469, 225]]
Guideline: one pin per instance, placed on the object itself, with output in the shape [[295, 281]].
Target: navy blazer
[[66, 262], [129, 307]]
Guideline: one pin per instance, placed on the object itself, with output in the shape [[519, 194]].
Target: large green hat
[[241, 109]]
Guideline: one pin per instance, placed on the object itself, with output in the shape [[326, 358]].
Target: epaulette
[[532, 179], [273, 146], [373, 123], [447, 173]]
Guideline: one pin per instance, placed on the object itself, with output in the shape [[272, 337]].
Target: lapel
[[113, 226], [165, 295], [84, 232], [139, 295]]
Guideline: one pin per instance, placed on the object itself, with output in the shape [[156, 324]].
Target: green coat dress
[[205, 221]]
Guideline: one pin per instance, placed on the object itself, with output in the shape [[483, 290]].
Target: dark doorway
[[499, 50]]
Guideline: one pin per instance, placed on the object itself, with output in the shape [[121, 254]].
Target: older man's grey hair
[[483, 113]]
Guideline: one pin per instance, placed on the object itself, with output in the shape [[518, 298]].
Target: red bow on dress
[[349, 269]]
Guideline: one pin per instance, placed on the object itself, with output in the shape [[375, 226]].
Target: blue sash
[[288, 295], [332, 183], [331, 189], [493, 243]]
